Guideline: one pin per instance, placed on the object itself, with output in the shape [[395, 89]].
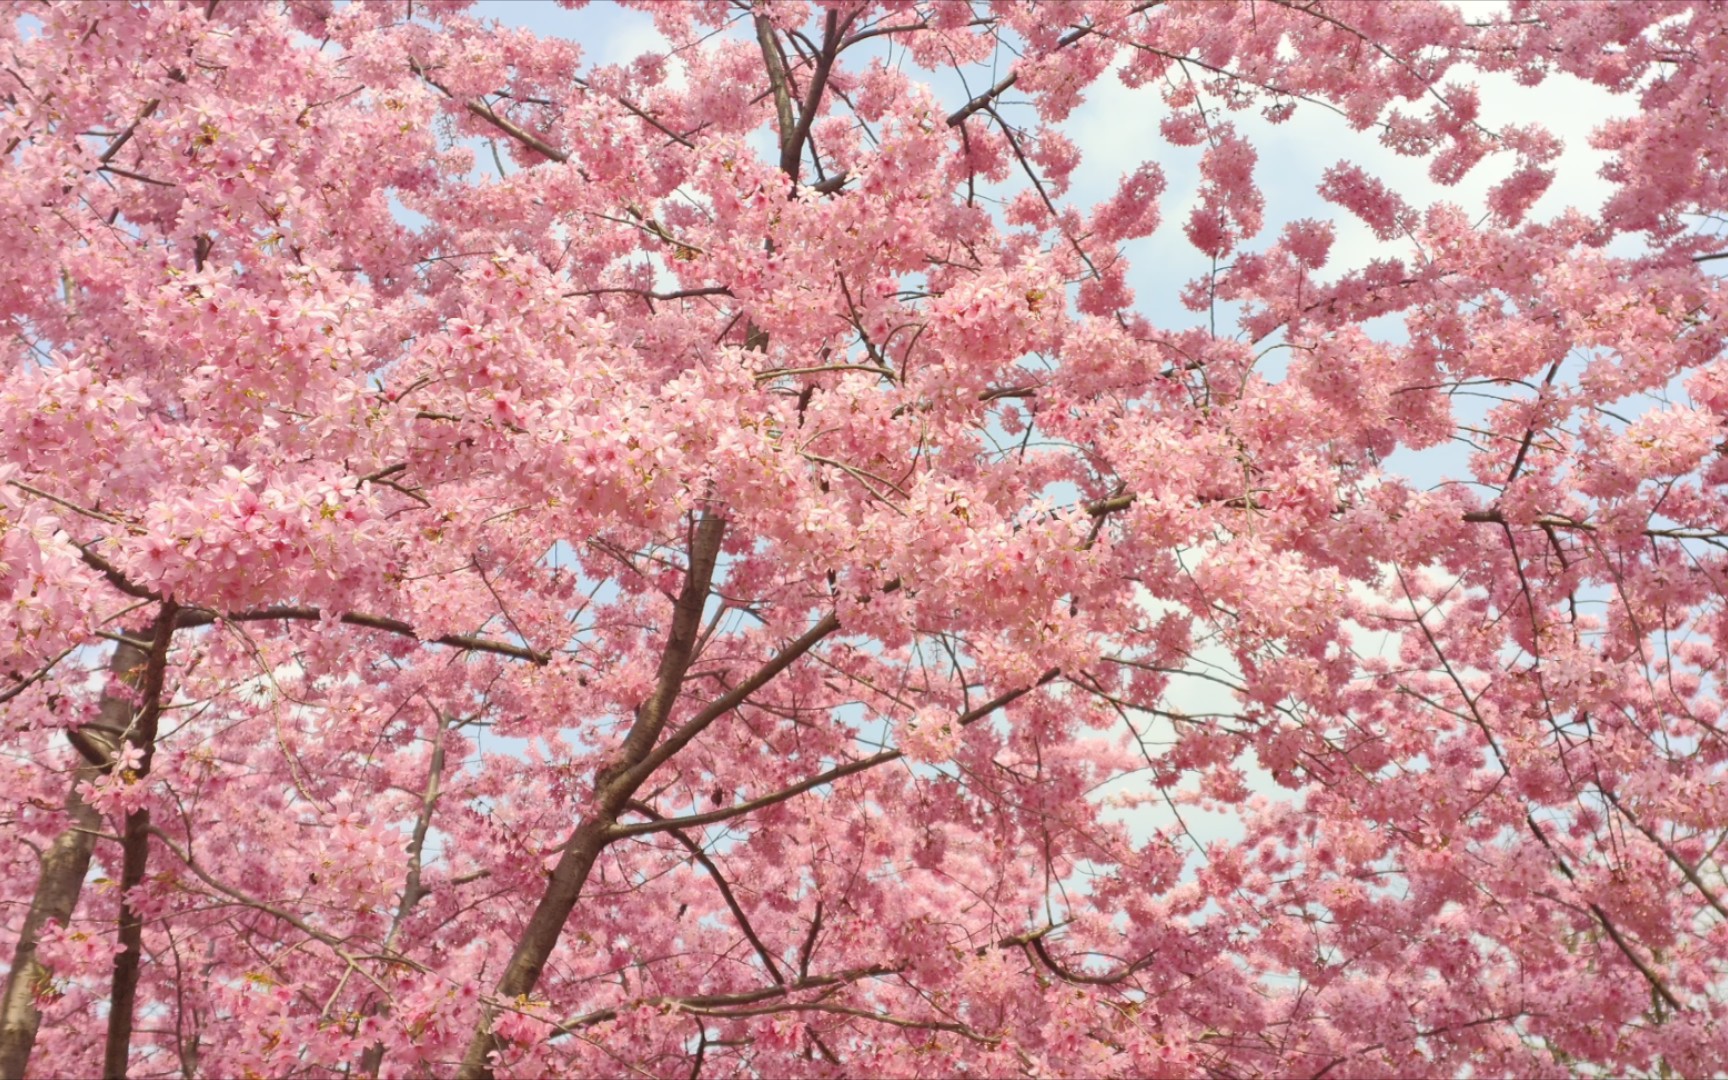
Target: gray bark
[[63, 868]]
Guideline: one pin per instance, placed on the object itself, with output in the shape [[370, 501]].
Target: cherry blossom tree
[[700, 566]]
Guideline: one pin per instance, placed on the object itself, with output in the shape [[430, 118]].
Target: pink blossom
[[722, 562]]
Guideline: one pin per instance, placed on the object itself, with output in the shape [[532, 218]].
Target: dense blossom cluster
[[697, 566]]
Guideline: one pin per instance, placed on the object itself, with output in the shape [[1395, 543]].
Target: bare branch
[[651, 716], [25, 683], [744, 997], [809, 946], [636, 111], [1687, 869], [792, 148], [58, 501], [412, 889]]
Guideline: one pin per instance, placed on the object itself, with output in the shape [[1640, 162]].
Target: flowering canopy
[[718, 583]]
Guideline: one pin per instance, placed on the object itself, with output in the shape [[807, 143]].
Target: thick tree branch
[[792, 148], [125, 137], [736, 697], [196, 616], [808, 949], [614, 787], [114, 576], [651, 716], [777, 79]]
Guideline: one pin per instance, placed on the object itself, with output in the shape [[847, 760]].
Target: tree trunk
[[64, 866], [124, 993], [538, 941], [123, 996]]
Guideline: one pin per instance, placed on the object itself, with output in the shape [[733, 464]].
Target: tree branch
[[1690, 872], [636, 111], [471, 642], [743, 997], [614, 786], [777, 80], [727, 702], [701, 857], [412, 890], [67, 504], [793, 148], [842, 1010], [809, 946], [839, 772], [1650, 976], [651, 716], [24, 683], [769, 993], [1066, 975], [114, 576], [988, 97], [195, 616], [486, 113], [60, 880], [125, 137]]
